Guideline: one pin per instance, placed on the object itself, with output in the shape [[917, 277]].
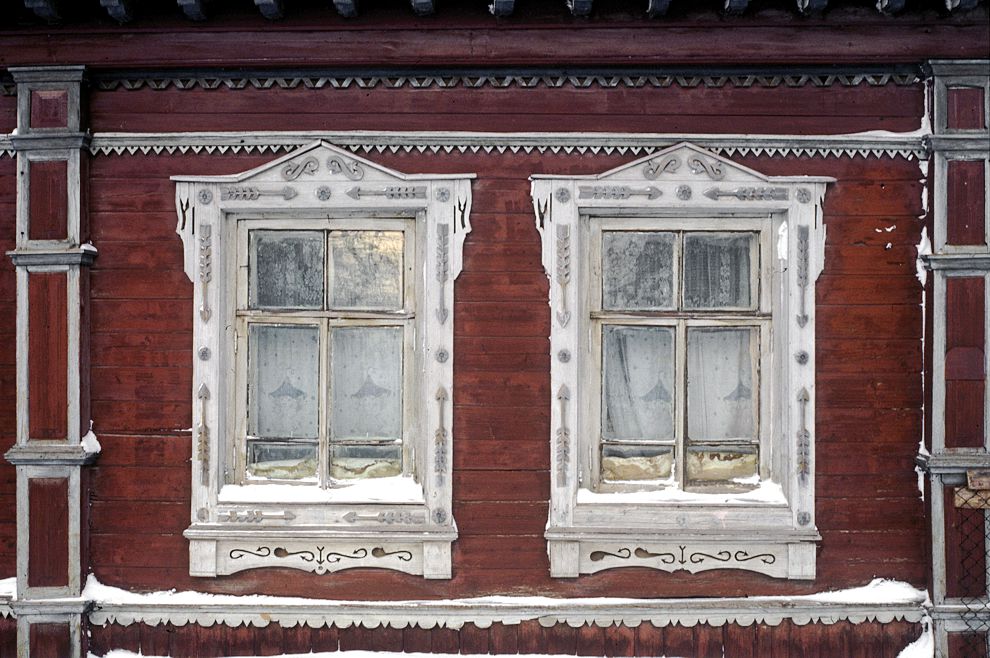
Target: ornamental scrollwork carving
[[350, 169], [389, 192], [293, 170], [205, 269], [749, 193], [617, 192], [563, 271], [683, 557], [319, 558], [249, 193], [443, 269], [714, 168], [654, 168]]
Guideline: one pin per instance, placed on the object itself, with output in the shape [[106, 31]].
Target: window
[[682, 293], [323, 330]]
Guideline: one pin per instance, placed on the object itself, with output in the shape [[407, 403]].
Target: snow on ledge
[[768, 493], [882, 601], [8, 593], [120, 653], [402, 489]]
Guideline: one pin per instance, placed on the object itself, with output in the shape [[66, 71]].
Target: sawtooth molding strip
[[873, 144]]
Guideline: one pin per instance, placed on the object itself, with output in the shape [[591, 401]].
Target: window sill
[[674, 531]]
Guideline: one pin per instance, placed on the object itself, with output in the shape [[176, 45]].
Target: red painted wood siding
[[966, 202], [8, 353], [49, 200], [50, 640], [48, 536], [842, 639], [965, 108], [965, 362], [49, 108], [47, 356]]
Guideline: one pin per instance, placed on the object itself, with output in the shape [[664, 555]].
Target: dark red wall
[[869, 330]]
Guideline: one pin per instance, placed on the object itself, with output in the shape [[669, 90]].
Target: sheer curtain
[[638, 373]]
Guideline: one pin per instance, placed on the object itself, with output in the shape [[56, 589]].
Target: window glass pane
[[735, 465], [717, 270], [281, 461], [286, 269], [640, 462], [721, 383], [637, 270], [367, 269], [637, 382], [365, 461], [283, 384], [366, 383]]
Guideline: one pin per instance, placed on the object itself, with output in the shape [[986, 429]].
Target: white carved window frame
[[604, 531], [337, 528]]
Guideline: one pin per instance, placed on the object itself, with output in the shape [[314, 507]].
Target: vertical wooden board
[[781, 638], [590, 640], [965, 555], [897, 635], [867, 640], [503, 639], [48, 345], [808, 640], [416, 640], [354, 638], [50, 640], [384, 638], [444, 640], [679, 640], [48, 200], [967, 645], [531, 637], [48, 535], [268, 640], [325, 638], [561, 639], [99, 639], [964, 108], [740, 641], [473, 639], [49, 108], [240, 640], [709, 641], [965, 202], [297, 639], [156, 640], [127, 637], [838, 639], [620, 640], [965, 377], [649, 640], [764, 642], [202, 640]]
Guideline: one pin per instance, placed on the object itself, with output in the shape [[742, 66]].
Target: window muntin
[[680, 311], [326, 308]]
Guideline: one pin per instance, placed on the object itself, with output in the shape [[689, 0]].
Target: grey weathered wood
[[503, 7], [961, 5], [656, 8], [193, 9], [580, 7], [270, 9], [811, 6], [735, 7], [46, 9], [346, 8], [119, 10], [423, 7], [890, 6]]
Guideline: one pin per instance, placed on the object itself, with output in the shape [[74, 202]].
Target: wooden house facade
[[560, 328]]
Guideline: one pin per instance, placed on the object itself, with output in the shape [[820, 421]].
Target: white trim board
[[869, 144], [881, 601]]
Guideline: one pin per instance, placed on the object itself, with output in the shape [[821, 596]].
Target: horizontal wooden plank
[[487, 456], [894, 355], [150, 451], [881, 390], [861, 321], [501, 319], [162, 384], [851, 289], [148, 483], [142, 416], [701, 101], [504, 485], [516, 389]]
